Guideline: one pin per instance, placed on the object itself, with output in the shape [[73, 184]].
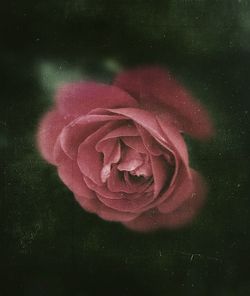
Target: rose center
[[127, 160]]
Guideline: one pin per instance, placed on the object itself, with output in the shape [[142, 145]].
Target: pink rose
[[120, 149]]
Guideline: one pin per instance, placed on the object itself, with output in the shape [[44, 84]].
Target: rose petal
[[145, 169], [174, 179], [151, 145], [58, 153], [111, 150], [150, 122], [153, 219], [161, 173], [106, 213], [167, 135], [148, 221], [103, 190], [136, 183], [160, 128], [182, 188], [49, 129], [130, 160], [191, 206], [155, 88], [81, 97], [70, 174], [133, 205], [174, 137], [135, 143], [89, 160], [78, 130], [143, 118], [117, 184], [122, 131]]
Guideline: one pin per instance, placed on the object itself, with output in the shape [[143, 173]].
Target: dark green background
[[49, 245]]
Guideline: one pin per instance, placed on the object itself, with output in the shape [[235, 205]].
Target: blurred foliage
[[49, 245]]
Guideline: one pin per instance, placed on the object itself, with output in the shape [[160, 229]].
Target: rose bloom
[[119, 148]]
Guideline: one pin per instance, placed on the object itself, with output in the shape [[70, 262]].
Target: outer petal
[[70, 174], [153, 219], [81, 97], [174, 137], [178, 192], [48, 131], [155, 89], [133, 205], [106, 213]]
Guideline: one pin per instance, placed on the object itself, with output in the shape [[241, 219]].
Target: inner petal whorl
[[130, 160]]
